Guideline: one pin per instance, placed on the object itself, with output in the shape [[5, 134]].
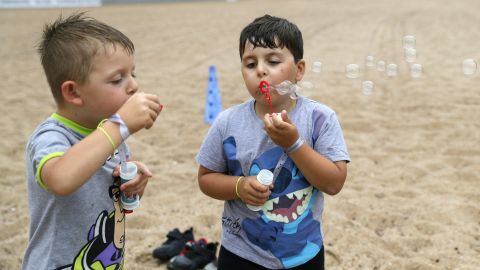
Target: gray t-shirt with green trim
[[287, 231], [82, 230]]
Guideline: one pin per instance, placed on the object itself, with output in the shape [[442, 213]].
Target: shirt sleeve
[[43, 147], [211, 154], [328, 136]]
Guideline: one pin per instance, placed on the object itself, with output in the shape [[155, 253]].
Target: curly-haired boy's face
[[272, 65], [110, 83]]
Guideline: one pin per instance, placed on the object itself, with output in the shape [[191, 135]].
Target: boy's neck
[[75, 116]]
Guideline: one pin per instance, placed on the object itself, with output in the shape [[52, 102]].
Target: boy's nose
[[261, 70], [133, 87]]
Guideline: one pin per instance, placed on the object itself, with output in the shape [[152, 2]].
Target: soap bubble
[[410, 55], [370, 61], [367, 87], [352, 71], [302, 88], [416, 71], [381, 65], [317, 66], [392, 70], [469, 66], [408, 42], [305, 89]]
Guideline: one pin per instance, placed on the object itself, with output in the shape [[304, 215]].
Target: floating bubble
[[303, 88], [469, 66], [370, 61], [408, 42], [392, 70], [416, 71], [367, 87], [317, 66], [352, 71], [381, 65], [410, 55]]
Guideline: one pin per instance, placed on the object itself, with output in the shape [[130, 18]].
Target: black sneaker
[[173, 245], [197, 257]]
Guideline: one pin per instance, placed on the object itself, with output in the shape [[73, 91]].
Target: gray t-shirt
[[287, 231], [79, 231]]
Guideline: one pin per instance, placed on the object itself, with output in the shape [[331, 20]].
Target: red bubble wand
[[265, 89]]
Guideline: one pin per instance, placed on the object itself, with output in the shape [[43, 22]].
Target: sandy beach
[[412, 196]]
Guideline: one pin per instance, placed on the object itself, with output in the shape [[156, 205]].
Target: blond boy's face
[[110, 83], [272, 65]]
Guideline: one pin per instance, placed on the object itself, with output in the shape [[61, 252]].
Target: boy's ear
[[70, 93], [300, 70]]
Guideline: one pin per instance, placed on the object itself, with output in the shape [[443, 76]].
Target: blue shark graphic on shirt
[[286, 226]]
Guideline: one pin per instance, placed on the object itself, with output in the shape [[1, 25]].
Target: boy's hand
[[136, 185], [140, 111], [281, 129], [253, 192]]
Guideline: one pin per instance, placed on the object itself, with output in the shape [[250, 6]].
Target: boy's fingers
[[267, 121]]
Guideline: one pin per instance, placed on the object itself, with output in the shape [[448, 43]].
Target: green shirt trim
[[72, 125], [38, 173]]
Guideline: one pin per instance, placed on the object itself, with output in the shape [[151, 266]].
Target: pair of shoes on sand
[[174, 244], [195, 255], [184, 253]]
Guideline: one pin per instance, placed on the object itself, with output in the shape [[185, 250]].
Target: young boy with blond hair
[[76, 218]]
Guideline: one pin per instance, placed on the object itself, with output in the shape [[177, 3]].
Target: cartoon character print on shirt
[[286, 226], [106, 238]]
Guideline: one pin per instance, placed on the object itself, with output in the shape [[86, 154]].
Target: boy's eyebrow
[[269, 54]]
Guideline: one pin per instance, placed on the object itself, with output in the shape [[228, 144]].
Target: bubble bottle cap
[[265, 177]]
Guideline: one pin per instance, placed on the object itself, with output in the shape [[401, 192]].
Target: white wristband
[[124, 132], [295, 146]]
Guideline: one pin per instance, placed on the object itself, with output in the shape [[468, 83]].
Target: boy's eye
[[274, 61], [250, 65], [117, 81]]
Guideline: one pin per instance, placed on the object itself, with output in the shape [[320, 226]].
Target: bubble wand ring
[[265, 89]]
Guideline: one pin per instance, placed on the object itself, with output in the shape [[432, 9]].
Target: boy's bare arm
[[65, 174], [217, 185], [322, 173], [226, 187]]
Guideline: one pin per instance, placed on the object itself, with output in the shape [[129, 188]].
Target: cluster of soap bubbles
[[302, 88], [410, 53], [352, 71]]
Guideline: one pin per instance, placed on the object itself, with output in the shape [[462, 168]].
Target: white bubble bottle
[[127, 173], [265, 177]]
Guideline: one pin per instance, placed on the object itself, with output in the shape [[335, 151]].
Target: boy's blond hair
[[69, 45]]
